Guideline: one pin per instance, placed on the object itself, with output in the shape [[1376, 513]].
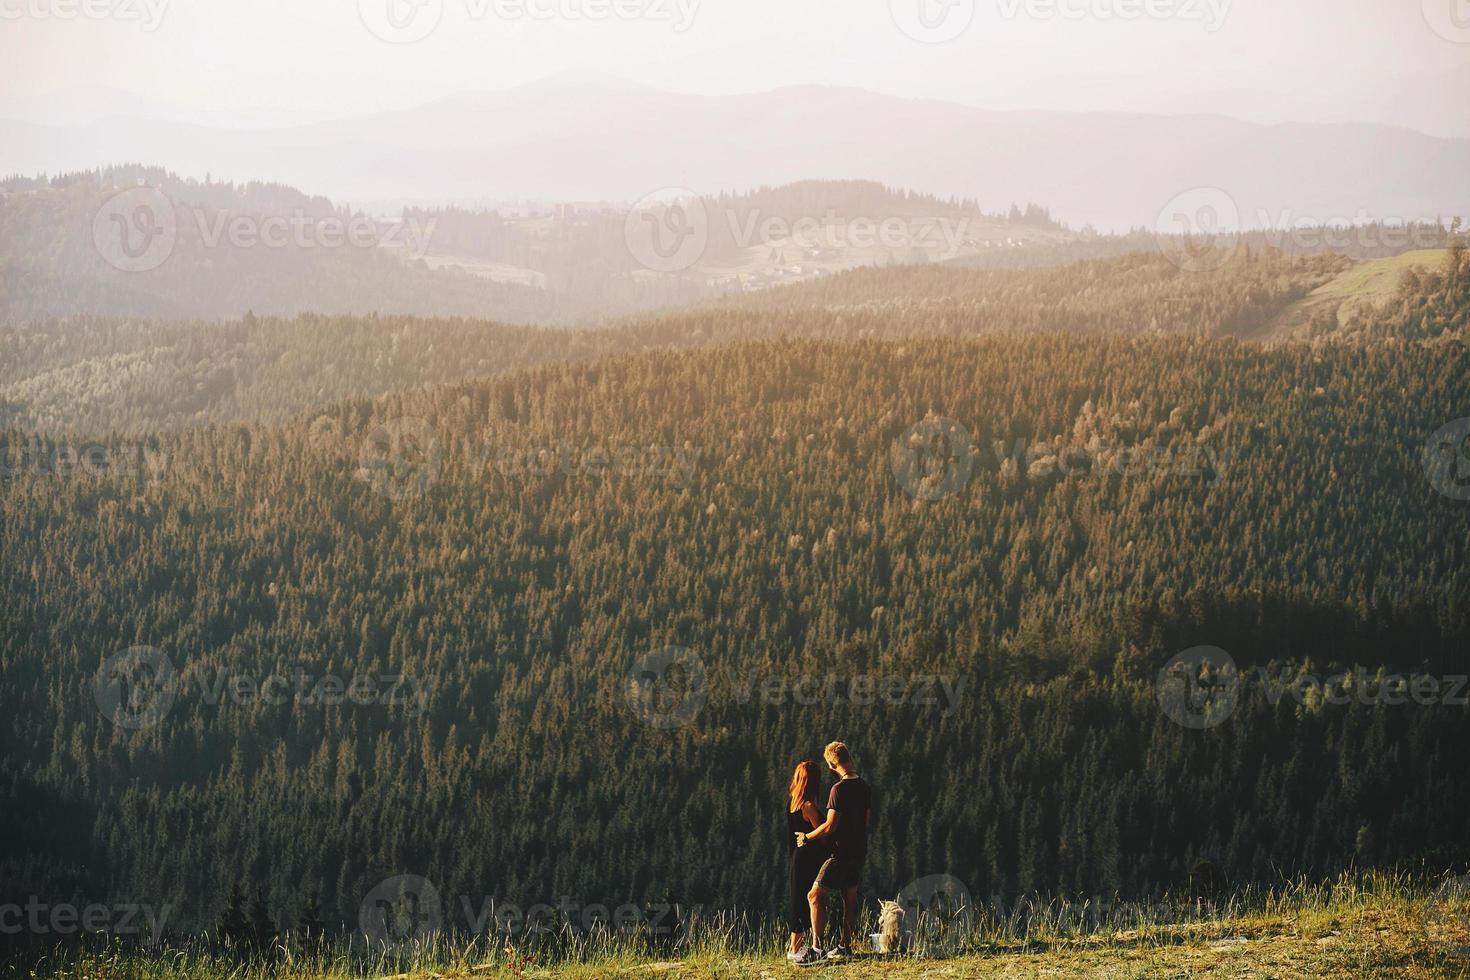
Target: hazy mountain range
[[592, 138]]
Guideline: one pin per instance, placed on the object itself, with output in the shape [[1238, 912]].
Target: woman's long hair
[[803, 784]]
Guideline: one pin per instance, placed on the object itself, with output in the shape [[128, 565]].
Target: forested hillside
[[106, 375], [270, 249], [1429, 304], [574, 246], [250, 247], [514, 547], [141, 242], [1139, 293]]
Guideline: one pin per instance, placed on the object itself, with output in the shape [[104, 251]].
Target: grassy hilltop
[[1374, 925]]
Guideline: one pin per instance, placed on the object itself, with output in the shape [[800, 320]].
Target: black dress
[[806, 861]]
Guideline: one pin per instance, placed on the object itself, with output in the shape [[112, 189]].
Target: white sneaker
[[796, 956], [810, 957]]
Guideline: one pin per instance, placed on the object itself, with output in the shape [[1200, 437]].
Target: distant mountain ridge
[[96, 375], [1113, 170], [548, 264]]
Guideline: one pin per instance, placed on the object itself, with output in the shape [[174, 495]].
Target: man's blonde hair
[[838, 752]]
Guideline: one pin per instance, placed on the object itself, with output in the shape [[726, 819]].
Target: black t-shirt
[[852, 799]]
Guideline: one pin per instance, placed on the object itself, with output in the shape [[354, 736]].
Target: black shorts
[[839, 873], [804, 868]]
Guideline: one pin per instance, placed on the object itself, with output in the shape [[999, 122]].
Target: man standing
[[849, 811]]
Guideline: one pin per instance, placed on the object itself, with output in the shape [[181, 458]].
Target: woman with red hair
[[801, 816]]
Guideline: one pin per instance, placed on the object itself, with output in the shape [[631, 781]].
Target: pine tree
[[262, 930], [234, 929], [311, 928]]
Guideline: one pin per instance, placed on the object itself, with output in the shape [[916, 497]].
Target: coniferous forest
[[969, 553]]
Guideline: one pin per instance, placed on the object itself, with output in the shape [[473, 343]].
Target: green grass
[[1365, 284], [1363, 925]]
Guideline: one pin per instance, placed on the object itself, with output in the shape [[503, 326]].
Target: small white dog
[[890, 926]]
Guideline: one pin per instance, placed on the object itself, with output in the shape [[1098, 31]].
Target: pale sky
[[1404, 62]]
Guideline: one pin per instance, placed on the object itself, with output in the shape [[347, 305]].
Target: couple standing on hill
[[826, 854]]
